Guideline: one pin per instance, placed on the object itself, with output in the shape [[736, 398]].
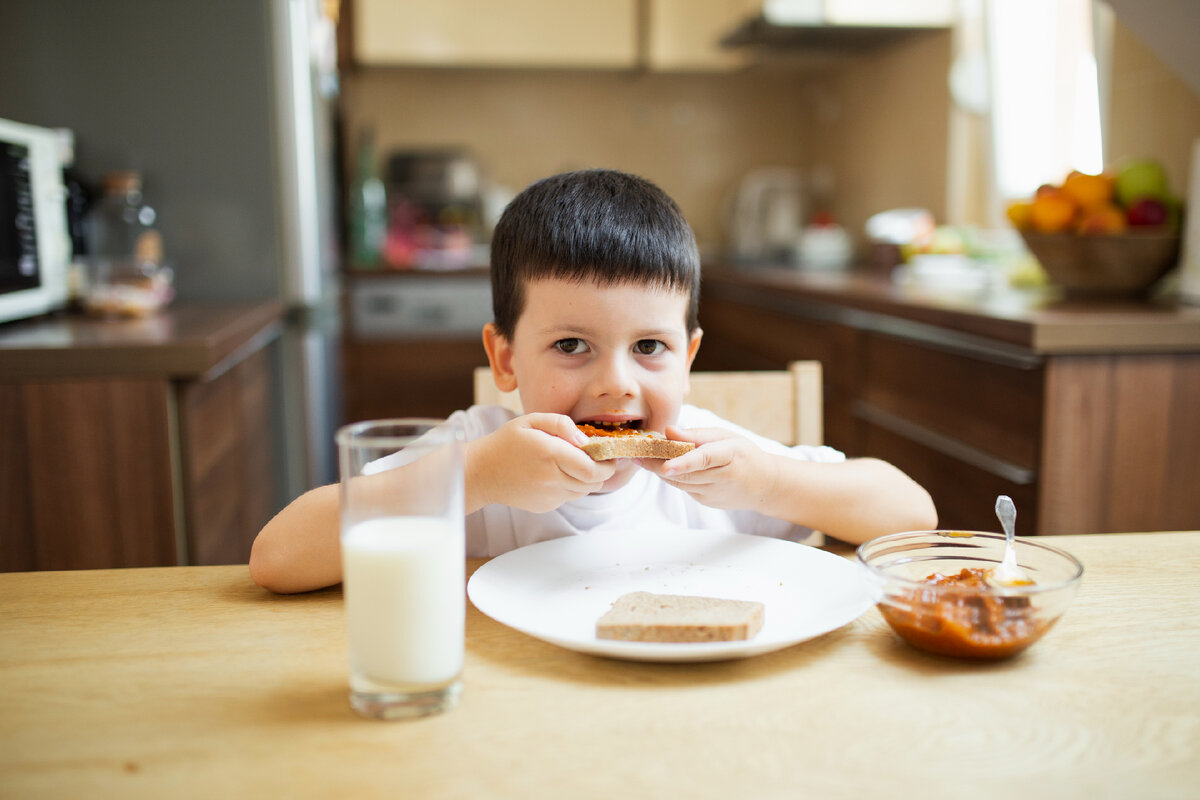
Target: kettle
[[766, 217]]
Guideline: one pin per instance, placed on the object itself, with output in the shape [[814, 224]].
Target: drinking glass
[[403, 563]]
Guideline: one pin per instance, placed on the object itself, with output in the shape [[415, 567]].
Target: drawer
[[411, 378], [754, 338], [964, 493], [983, 405]]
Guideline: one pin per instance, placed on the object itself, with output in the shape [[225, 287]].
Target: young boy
[[595, 282]]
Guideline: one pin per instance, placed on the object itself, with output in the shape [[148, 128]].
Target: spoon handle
[[1007, 512]]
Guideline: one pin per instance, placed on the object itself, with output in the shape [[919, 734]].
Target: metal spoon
[[1007, 572]]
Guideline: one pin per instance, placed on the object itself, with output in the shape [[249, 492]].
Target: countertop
[[184, 340], [192, 681], [1042, 321]]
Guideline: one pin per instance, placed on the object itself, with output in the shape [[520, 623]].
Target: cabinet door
[[515, 33], [227, 460], [685, 35], [85, 474]]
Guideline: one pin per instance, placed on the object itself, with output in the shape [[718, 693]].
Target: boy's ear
[[693, 347], [499, 353]]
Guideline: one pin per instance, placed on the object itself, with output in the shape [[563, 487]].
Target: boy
[[595, 283]]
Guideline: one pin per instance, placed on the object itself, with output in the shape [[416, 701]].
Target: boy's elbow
[[923, 512], [912, 502], [265, 568]]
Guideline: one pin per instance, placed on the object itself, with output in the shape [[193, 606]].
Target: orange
[[1052, 212], [1088, 191], [1019, 213], [1104, 218]]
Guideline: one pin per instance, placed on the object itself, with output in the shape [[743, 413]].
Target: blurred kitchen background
[[349, 157]]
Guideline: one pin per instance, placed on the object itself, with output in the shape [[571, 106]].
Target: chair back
[[784, 405]]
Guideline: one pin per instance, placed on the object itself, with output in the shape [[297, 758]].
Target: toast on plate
[[650, 617]]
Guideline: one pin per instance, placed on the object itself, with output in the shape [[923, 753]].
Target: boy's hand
[[725, 470], [533, 463]]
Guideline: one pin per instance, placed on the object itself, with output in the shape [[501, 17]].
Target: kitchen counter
[[1041, 321], [195, 682], [142, 442], [184, 340], [1083, 411]]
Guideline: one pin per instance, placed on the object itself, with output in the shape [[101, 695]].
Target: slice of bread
[[650, 617], [635, 444]]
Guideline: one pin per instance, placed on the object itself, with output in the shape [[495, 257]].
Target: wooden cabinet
[[413, 377], [516, 33], [411, 341], [685, 35], [139, 443], [1085, 417], [660, 35]]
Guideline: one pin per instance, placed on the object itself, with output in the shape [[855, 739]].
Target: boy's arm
[[533, 463], [854, 500], [299, 549]]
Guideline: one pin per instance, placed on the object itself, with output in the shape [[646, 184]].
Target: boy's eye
[[571, 346], [649, 347]]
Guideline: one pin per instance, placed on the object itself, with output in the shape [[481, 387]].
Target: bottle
[[126, 276], [367, 208]]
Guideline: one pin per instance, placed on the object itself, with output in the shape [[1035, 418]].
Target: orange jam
[[960, 615], [592, 430]]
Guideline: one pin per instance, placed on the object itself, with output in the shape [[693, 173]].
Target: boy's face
[[611, 353]]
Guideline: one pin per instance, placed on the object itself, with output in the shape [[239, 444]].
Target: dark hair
[[592, 225]]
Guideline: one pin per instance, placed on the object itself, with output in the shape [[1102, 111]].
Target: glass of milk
[[403, 564]]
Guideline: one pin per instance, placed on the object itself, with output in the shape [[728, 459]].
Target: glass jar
[[126, 276]]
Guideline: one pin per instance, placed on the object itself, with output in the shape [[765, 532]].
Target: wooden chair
[[784, 405]]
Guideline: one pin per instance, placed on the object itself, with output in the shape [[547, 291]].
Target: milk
[[405, 602]]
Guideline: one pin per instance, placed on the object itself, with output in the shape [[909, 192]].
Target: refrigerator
[[228, 109]]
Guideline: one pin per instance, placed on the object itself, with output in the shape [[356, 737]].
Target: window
[[1032, 73]]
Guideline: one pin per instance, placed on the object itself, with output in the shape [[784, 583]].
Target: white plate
[[556, 590]]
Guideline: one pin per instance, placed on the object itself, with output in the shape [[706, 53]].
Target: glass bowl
[[980, 621]]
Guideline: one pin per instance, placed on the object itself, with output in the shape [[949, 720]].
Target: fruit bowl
[[1119, 263], [961, 619]]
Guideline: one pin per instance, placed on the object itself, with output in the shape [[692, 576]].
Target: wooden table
[[193, 682]]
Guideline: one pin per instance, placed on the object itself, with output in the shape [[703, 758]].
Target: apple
[[1140, 178], [1146, 212]]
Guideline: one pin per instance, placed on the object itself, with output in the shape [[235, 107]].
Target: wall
[[695, 135], [1154, 112], [882, 127], [180, 92]]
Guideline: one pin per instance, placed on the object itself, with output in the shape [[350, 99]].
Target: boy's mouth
[[602, 427]]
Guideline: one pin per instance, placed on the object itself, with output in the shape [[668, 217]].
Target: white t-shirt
[[645, 501]]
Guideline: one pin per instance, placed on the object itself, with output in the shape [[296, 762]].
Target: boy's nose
[[614, 378]]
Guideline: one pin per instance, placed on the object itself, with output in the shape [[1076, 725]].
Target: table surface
[[192, 681]]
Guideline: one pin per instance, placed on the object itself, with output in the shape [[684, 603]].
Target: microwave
[[35, 244]]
